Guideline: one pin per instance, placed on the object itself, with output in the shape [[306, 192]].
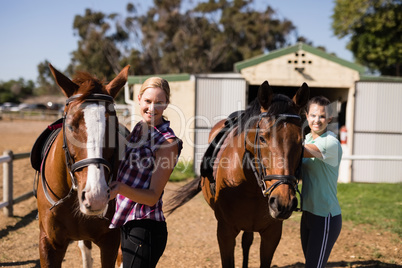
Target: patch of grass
[[182, 171], [379, 205]]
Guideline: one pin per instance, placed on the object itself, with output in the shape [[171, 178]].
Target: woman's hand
[[114, 187]]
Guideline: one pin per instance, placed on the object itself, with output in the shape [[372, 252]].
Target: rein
[[74, 166], [260, 173]]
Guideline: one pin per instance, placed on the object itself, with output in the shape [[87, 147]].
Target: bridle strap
[[74, 166], [260, 173], [88, 161], [45, 185], [281, 179], [92, 161], [92, 97]]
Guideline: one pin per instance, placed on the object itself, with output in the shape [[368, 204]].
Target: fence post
[[8, 184]]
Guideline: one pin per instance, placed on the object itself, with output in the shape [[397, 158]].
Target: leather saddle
[[210, 155], [43, 143]]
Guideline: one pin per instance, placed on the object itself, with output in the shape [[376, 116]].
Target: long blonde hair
[[156, 82]]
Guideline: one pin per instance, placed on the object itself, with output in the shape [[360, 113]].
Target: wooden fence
[[8, 198]]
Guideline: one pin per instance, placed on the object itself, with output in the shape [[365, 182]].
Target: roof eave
[[292, 49]]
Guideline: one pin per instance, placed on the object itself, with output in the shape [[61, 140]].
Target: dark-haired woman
[[321, 221]]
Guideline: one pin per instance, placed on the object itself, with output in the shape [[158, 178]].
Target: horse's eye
[[70, 127], [262, 140]]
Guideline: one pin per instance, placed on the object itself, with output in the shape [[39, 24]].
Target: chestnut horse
[[73, 192], [252, 180]]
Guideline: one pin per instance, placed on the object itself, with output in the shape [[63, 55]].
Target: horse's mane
[[88, 84], [280, 104]]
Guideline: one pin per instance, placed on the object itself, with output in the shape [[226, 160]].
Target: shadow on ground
[[35, 264], [27, 219]]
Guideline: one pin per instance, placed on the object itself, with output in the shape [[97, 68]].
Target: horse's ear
[[118, 82], [302, 96], [264, 96], [67, 86]]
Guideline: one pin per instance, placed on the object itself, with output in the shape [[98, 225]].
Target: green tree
[[173, 37], [97, 51], [16, 90], [375, 30], [245, 32], [46, 83], [210, 37], [173, 42]]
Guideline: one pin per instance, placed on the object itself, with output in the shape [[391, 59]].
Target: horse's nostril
[[83, 196]]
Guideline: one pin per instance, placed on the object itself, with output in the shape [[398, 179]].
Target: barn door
[[216, 98], [377, 132]]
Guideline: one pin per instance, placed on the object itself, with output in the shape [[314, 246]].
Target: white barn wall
[[377, 131], [217, 96]]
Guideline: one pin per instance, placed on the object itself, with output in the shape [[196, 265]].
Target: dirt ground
[[192, 241]]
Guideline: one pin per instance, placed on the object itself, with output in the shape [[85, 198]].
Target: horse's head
[[90, 136], [276, 145]]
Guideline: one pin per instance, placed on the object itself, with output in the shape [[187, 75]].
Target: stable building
[[365, 107]]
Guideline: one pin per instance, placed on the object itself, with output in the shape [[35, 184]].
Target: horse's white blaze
[[95, 122], [86, 255]]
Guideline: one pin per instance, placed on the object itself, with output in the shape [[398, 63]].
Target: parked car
[[29, 107], [7, 106]]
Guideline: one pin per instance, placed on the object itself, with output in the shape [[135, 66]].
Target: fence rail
[[372, 157], [8, 199]]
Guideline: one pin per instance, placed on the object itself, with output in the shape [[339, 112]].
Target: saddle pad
[[210, 155], [37, 151]]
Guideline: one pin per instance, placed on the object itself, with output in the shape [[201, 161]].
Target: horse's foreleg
[[246, 241], [109, 246], [86, 249], [269, 241], [227, 242], [51, 253]]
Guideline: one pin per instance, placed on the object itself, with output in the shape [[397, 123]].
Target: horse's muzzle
[[281, 210]]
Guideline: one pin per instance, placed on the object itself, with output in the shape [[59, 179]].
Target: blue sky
[[34, 31]]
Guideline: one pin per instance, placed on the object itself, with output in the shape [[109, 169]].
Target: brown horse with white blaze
[[252, 181], [73, 192]]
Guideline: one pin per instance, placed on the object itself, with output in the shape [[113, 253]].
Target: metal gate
[[377, 132], [216, 97]]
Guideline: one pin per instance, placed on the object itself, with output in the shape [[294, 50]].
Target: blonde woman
[[151, 154]]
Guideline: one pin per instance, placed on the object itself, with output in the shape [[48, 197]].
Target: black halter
[[260, 173], [74, 166]]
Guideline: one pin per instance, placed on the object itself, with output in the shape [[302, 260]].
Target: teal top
[[320, 176]]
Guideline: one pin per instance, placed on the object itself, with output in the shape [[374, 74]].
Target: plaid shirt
[[136, 171]]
